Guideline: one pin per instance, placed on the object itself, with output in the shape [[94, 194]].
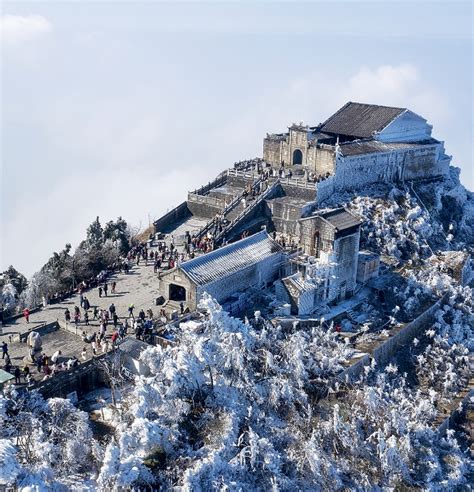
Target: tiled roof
[[360, 120], [231, 258], [361, 147], [133, 347], [339, 218]]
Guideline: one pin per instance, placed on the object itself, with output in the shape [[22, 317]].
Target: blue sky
[[119, 108]]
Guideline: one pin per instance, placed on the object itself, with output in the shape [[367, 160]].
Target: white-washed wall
[[355, 172], [252, 276], [408, 127]]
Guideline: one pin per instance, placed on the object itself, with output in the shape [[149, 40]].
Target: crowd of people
[[46, 366]]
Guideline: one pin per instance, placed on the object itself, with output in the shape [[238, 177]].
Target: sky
[[119, 108]]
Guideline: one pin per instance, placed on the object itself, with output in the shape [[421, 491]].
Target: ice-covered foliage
[[232, 406], [52, 439], [8, 297]]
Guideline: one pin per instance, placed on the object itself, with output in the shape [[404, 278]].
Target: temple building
[[251, 262], [360, 144]]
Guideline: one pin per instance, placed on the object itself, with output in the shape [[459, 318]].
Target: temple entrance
[[297, 157], [177, 293]]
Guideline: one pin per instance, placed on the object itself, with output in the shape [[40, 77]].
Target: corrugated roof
[[231, 258], [360, 147], [360, 120]]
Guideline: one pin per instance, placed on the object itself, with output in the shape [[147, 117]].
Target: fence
[[297, 182], [219, 181]]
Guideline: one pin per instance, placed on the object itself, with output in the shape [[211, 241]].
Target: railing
[[219, 180], [300, 183], [208, 200], [227, 209], [246, 211]]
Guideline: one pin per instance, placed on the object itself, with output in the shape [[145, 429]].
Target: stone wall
[[42, 330], [204, 206], [387, 350], [82, 379], [177, 214]]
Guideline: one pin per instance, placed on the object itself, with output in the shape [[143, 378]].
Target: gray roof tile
[[231, 258], [360, 120]]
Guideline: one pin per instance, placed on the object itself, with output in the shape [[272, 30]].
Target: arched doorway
[[297, 157]]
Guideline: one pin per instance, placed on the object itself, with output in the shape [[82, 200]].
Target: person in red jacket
[[26, 314]]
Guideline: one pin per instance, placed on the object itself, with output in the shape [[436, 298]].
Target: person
[[86, 318], [130, 310], [17, 375], [76, 319], [26, 314], [106, 288], [8, 364], [67, 315], [112, 310], [96, 312], [4, 349], [141, 315], [181, 307], [39, 362], [115, 318], [94, 347], [87, 304], [100, 291], [102, 329], [114, 284], [114, 338], [81, 300], [26, 372], [84, 353], [55, 356], [71, 363]]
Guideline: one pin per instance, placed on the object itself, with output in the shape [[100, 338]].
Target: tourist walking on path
[[112, 310], [130, 310], [4, 350], [86, 318], [26, 314], [67, 315], [17, 375], [96, 312], [114, 284], [100, 291], [106, 289], [84, 353]]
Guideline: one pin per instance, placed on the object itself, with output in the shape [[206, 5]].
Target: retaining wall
[[82, 379], [179, 213], [387, 350], [42, 330]]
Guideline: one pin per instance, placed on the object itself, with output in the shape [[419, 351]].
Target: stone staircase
[[232, 225], [231, 212]]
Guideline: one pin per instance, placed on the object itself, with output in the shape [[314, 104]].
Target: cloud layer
[[17, 29]]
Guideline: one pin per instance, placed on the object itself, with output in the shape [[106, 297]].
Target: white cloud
[[17, 29]]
